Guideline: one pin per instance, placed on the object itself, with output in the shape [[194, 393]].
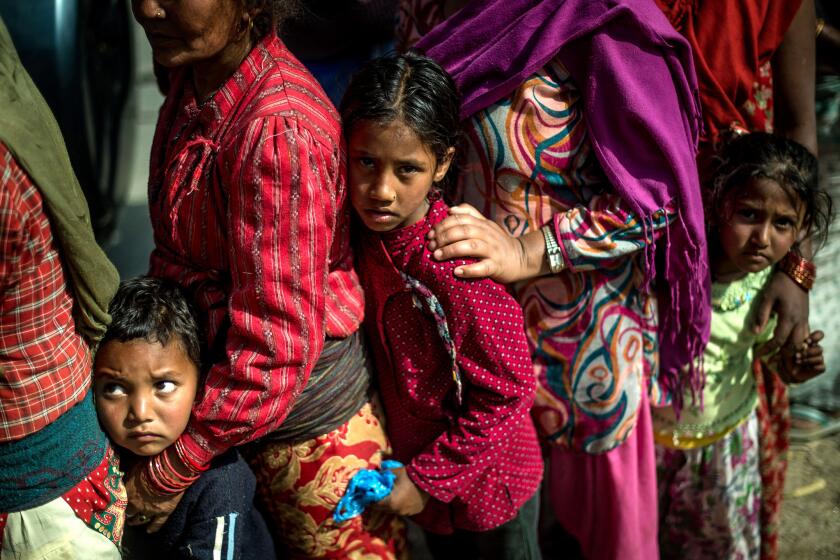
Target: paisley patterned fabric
[[593, 332]]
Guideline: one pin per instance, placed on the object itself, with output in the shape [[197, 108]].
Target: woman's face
[[183, 32]]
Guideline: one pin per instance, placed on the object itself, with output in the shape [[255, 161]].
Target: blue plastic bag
[[366, 487]]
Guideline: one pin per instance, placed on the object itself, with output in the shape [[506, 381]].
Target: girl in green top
[[765, 201]]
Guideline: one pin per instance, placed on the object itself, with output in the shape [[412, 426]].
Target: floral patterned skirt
[[710, 497], [300, 484]]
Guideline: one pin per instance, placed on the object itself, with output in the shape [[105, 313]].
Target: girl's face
[[761, 222], [144, 393], [188, 31], [391, 172]]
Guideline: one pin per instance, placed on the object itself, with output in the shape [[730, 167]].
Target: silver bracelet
[[556, 262]]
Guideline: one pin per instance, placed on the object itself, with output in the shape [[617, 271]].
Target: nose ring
[[159, 13]]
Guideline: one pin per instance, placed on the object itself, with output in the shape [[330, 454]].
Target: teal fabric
[[43, 466]]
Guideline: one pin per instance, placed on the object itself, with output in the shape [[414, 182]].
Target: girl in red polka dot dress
[[451, 357]]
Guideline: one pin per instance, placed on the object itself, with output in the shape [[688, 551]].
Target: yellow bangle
[[820, 25]]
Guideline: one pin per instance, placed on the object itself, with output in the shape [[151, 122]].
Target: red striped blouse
[[247, 201]]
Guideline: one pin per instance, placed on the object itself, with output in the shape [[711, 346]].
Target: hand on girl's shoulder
[[466, 234]]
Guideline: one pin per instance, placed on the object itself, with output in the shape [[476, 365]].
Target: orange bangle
[[801, 271]]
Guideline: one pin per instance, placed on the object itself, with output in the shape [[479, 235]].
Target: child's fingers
[[815, 337], [814, 350], [808, 354], [813, 370], [810, 361]]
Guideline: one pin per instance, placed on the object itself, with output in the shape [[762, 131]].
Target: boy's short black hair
[[155, 310]]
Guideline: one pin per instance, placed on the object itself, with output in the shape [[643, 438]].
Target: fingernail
[[438, 254], [432, 245], [459, 272]]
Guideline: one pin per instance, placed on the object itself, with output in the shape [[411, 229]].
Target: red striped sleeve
[[280, 221]]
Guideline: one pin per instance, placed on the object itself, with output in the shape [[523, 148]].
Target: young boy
[[146, 374]]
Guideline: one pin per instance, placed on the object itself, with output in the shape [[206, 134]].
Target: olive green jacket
[[30, 132]]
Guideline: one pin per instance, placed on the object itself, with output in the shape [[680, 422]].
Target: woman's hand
[[405, 498], [791, 304], [803, 362], [465, 233], [144, 505]]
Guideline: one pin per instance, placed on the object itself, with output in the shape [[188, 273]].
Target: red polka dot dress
[[477, 456]]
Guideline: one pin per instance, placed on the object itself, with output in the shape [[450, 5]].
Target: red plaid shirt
[[44, 363], [247, 200]]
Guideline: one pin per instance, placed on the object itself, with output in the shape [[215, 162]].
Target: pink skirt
[[608, 501]]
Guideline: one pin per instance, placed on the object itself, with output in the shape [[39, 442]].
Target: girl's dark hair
[[412, 88], [154, 310], [790, 164]]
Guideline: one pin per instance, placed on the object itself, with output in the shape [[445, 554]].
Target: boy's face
[[144, 393]]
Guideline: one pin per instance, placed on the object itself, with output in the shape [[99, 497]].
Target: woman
[[57, 470], [247, 201], [581, 127]]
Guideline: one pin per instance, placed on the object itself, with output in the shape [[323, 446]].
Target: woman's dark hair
[[788, 163], [154, 310], [409, 87]]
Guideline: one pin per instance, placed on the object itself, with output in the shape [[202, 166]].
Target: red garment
[[44, 362], [247, 201], [731, 40], [99, 500], [773, 413], [479, 461], [300, 484]]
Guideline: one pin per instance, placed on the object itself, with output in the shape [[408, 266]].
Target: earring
[[159, 13]]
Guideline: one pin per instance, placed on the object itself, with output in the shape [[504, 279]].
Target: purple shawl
[[637, 83]]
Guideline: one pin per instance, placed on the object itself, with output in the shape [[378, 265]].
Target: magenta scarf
[[637, 83]]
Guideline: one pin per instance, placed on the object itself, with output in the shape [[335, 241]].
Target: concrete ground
[[811, 508]]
